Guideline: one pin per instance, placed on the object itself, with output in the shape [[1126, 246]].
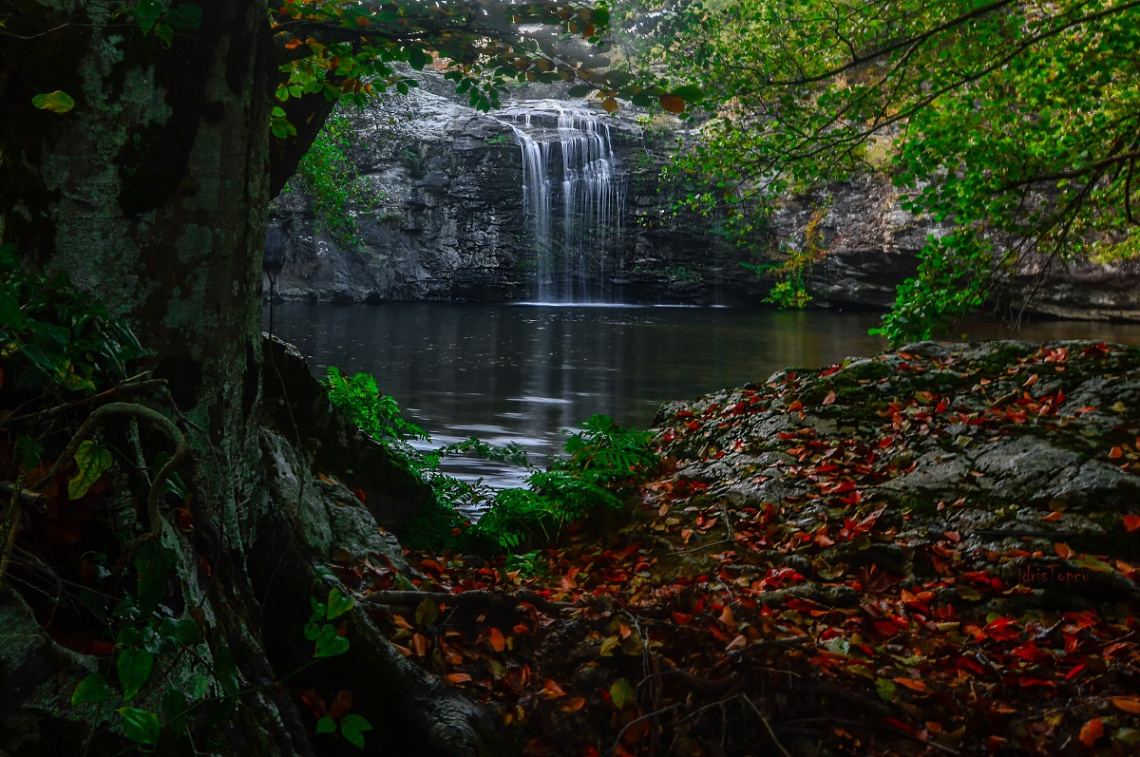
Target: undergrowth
[[600, 461]]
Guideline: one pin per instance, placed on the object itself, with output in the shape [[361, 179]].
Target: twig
[[767, 725], [125, 386], [467, 599]]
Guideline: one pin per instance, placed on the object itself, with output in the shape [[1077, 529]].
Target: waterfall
[[569, 164]]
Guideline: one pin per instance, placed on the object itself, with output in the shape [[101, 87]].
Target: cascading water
[[569, 164]]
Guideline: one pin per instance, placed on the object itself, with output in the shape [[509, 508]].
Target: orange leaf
[[797, 405], [495, 637], [293, 44], [1131, 522], [726, 618], [1031, 380], [420, 644], [672, 103], [1092, 731], [911, 684], [458, 677], [551, 689], [363, 21], [1053, 517], [1063, 550], [573, 705], [1128, 704], [609, 105], [1116, 453]]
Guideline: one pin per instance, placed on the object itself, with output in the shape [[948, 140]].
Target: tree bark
[[152, 194]]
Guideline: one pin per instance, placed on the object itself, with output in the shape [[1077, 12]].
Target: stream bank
[[927, 551]]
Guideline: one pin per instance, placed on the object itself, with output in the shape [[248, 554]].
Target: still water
[[526, 373]]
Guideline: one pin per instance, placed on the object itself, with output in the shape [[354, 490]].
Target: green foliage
[[952, 278], [326, 635], [376, 414], [55, 338], [1014, 121], [330, 178], [601, 459], [790, 289]]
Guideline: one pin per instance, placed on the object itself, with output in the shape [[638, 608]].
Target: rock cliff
[[450, 222]]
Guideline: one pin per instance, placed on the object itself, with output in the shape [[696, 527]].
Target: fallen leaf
[[1128, 704], [1131, 522], [1092, 731], [829, 399]]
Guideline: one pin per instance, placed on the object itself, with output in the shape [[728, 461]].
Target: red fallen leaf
[[1052, 517], [1131, 522], [886, 627], [1091, 732], [797, 405], [940, 407], [896, 723], [953, 536], [496, 640], [1075, 671], [457, 678], [682, 619], [360, 495], [573, 705], [1031, 653], [1001, 629], [420, 644], [829, 399], [911, 684], [1063, 550], [1116, 453], [1031, 380], [1086, 409], [342, 704]]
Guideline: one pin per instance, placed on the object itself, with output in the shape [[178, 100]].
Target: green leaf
[[352, 727], [226, 670], [28, 452], [329, 643], [427, 612], [886, 689], [690, 93], [140, 726], [339, 603], [91, 690], [134, 667], [622, 692], [181, 631], [92, 461], [10, 313], [185, 17], [174, 708], [580, 91], [154, 564], [56, 102], [326, 725]]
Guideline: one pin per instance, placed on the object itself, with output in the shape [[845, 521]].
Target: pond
[[527, 373]]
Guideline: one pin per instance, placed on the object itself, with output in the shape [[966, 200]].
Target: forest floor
[[931, 551]]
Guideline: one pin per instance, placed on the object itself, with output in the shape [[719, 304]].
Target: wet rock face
[[449, 221]]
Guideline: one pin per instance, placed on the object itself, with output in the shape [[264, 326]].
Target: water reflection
[[526, 373]]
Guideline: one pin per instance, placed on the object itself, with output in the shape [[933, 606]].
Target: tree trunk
[[151, 194]]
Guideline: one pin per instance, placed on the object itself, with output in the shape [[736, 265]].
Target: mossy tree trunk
[[152, 193]]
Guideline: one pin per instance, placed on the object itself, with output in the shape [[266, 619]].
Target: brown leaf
[[341, 705], [609, 105], [672, 103]]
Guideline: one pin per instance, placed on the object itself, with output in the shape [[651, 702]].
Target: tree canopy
[[1018, 121]]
